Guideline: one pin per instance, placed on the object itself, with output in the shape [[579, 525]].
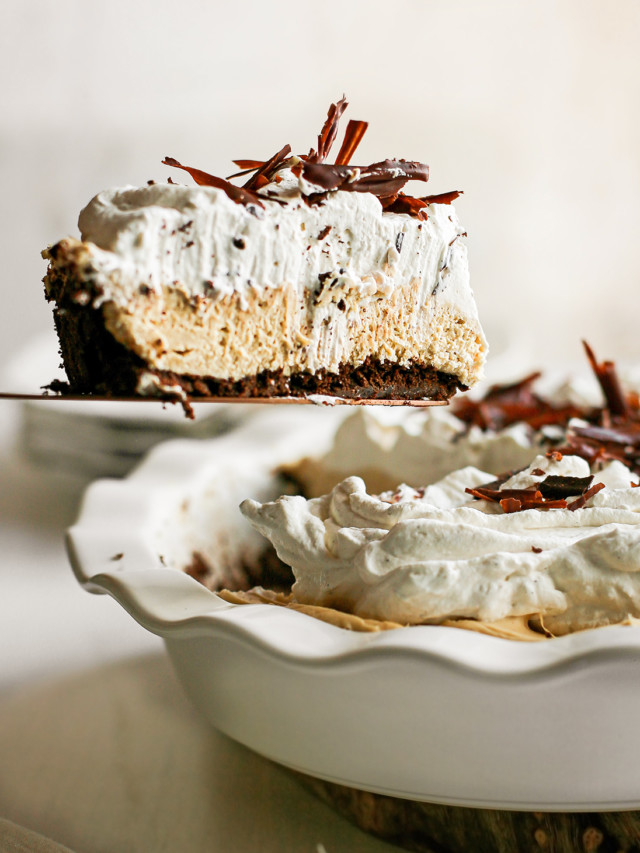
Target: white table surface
[[99, 749]]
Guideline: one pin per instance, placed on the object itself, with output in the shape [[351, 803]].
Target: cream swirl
[[426, 555]]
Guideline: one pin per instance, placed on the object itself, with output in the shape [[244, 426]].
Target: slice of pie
[[310, 279]]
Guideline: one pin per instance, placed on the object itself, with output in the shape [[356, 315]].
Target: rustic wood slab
[[430, 828]]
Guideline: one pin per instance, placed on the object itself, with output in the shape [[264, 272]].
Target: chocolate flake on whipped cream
[[555, 486], [516, 500], [584, 497], [265, 173], [610, 432], [550, 493], [384, 179]]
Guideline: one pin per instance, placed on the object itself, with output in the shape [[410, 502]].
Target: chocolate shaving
[[503, 405], [352, 138], [515, 500], [536, 550], [549, 494], [511, 505], [265, 173], [246, 166], [329, 132], [402, 203], [584, 497], [553, 487], [613, 432], [495, 495], [384, 179], [607, 377], [629, 434], [560, 503], [238, 194], [442, 198]]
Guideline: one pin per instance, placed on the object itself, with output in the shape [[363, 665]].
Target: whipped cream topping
[[342, 251], [417, 448], [428, 555], [213, 246]]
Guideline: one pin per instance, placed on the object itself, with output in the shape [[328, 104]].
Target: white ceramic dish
[[428, 713]]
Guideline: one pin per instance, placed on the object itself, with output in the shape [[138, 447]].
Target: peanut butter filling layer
[[510, 628], [233, 336]]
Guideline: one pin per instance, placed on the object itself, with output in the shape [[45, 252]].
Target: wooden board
[[428, 828]]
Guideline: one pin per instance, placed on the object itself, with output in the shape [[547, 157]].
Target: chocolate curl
[[406, 204], [608, 378], [442, 198], [237, 194], [246, 166], [384, 179], [516, 500], [266, 172], [581, 501], [495, 495], [329, 132], [503, 405], [544, 504], [626, 436], [352, 138]]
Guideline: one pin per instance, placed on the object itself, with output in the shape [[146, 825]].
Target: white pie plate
[[428, 713]]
